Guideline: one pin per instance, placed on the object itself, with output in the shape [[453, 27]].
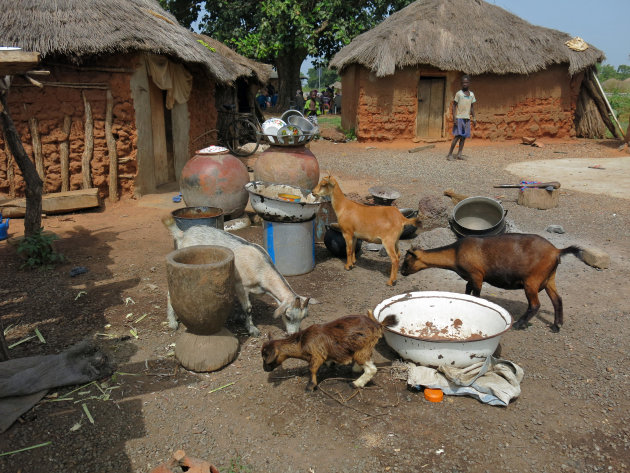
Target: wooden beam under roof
[[15, 61]]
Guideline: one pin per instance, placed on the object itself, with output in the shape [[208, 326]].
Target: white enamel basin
[[443, 328]]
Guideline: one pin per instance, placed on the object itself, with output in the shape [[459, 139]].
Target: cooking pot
[[336, 243], [478, 216]]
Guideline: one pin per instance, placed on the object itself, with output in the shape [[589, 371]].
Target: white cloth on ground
[[494, 381]]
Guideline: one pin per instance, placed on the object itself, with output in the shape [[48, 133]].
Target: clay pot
[[201, 286], [294, 165], [215, 180]]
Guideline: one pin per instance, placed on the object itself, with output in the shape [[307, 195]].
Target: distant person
[[311, 107], [262, 99], [463, 109], [299, 100], [337, 102], [325, 101]]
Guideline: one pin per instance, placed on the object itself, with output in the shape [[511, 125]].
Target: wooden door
[[430, 118]]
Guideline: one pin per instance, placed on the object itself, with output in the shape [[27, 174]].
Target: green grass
[[329, 120], [620, 102]]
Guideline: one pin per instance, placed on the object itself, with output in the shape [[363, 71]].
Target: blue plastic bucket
[[291, 246]]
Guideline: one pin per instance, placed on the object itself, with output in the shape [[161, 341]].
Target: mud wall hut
[[399, 78], [129, 89]]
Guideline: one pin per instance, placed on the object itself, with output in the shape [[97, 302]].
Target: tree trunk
[[34, 185], [288, 66]]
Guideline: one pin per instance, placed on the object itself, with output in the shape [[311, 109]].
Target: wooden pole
[[88, 145], [111, 148], [612, 112], [10, 170], [37, 148], [34, 185], [64, 154], [599, 102]]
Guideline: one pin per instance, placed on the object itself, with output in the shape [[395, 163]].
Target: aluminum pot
[[478, 216], [443, 328]]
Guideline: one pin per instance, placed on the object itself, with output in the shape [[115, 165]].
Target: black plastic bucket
[[478, 216], [192, 216]]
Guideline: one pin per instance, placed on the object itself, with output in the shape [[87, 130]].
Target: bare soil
[[573, 413]]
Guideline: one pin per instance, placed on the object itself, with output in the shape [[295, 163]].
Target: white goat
[[254, 273]]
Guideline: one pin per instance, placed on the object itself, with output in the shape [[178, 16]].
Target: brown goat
[[376, 224], [511, 261], [342, 341]]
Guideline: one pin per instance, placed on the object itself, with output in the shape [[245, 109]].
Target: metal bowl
[[443, 328], [384, 195], [290, 113], [265, 200]]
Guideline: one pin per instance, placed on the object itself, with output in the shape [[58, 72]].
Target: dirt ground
[[573, 414]]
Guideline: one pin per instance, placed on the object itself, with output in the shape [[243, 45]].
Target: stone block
[[596, 258]]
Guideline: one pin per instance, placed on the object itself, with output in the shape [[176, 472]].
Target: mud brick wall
[[387, 107], [536, 105], [203, 115], [51, 104], [508, 106]]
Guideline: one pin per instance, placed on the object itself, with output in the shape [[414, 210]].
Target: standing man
[[463, 109]]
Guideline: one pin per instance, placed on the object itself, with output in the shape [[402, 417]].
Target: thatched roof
[[462, 35], [82, 28], [241, 66]]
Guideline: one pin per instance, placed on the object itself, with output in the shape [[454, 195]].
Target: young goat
[[510, 261], [254, 273], [376, 224], [342, 341]]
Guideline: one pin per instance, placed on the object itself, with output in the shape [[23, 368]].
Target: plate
[[212, 150], [271, 126]]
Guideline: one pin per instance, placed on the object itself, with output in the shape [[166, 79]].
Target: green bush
[[38, 251]]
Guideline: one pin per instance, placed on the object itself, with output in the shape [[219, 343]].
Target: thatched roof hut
[[79, 29], [443, 39], [148, 84]]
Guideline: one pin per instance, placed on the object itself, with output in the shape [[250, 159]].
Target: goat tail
[[389, 321], [573, 250], [386, 322], [169, 222]]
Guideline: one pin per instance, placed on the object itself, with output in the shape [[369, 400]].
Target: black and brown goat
[[510, 261], [342, 341]]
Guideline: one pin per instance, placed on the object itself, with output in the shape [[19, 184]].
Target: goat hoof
[[254, 332], [555, 328], [310, 387], [353, 385], [520, 325]]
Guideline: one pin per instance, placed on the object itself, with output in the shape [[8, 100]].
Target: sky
[[603, 23]]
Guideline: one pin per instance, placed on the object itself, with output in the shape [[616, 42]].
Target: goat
[[376, 224], [254, 273], [510, 261], [342, 341]]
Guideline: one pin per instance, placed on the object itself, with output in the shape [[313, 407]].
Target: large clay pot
[[215, 180], [201, 286], [293, 165]]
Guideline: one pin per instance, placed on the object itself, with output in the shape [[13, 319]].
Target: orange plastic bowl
[[433, 395], [289, 197]]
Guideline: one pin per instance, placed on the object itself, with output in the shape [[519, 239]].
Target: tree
[[606, 71], [321, 76], [285, 32], [623, 71]]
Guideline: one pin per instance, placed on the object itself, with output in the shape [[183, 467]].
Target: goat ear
[[279, 311], [297, 302], [305, 303], [268, 336]]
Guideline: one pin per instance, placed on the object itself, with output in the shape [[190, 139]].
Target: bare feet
[[450, 157]]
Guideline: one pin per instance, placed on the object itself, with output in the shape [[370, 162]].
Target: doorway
[[161, 127], [430, 118]]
